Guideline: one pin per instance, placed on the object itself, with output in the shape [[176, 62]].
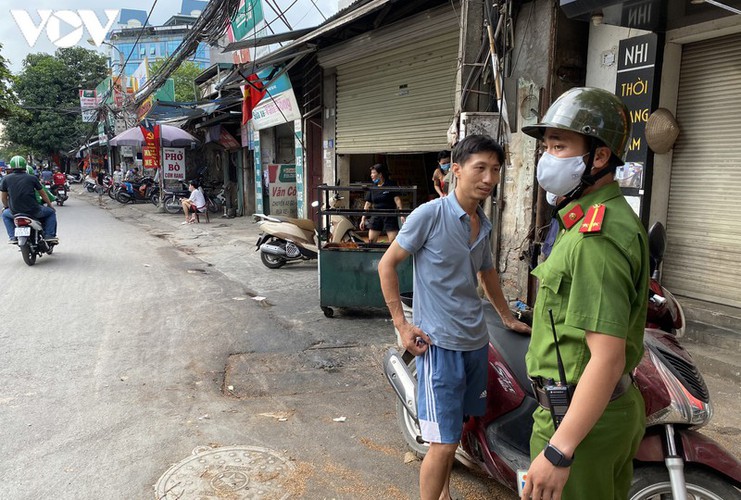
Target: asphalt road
[[128, 348]]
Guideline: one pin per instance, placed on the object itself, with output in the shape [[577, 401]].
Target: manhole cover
[[233, 472]]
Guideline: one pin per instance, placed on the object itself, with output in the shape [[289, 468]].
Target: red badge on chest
[[593, 220], [572, 217]]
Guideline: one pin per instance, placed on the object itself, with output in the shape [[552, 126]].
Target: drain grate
[[233, 472]]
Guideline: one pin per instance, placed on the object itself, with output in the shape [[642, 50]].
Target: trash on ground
[[339, 419]]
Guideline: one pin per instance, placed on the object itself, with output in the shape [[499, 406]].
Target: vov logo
[[52, 21]]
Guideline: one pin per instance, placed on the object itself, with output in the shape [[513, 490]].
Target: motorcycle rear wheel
[[272, 261], [28, 256], [652, 483]]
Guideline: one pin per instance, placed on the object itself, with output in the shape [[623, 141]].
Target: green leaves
[[183, 77], [46, 92]]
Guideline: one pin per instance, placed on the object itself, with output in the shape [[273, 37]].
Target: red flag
[[252, 94]]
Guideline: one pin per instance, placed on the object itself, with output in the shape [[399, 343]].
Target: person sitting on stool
[[196, 203]]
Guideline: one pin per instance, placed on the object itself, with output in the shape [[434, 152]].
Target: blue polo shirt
[[447, 306]]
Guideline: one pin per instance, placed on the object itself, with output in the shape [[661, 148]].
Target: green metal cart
[[348, 273]]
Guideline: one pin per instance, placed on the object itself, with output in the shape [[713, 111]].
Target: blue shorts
[[451, 385]]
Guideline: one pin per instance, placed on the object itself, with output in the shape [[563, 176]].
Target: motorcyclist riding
[[18, 192]]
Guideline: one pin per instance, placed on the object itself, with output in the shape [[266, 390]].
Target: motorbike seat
[[511, 345], [303, 224]]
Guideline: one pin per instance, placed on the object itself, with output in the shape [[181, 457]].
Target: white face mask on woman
[[560, 176], [551, 198]]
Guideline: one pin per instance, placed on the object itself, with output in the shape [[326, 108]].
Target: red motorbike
[[674, 460]]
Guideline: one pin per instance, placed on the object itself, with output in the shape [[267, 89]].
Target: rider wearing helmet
[[18, 192], [595, 284]]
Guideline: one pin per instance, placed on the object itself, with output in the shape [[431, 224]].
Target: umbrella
[[171, 137]]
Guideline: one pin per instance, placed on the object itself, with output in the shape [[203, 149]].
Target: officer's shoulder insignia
[[572, 216], [593, 220]]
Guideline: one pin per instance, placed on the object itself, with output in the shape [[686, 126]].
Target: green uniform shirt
[[593, 282]]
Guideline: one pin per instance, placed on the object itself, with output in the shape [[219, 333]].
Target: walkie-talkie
[[559, 393]]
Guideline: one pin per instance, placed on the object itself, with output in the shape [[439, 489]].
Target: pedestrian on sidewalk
[[100, 185], [449, 239]]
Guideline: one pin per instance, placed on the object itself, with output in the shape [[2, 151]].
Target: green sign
[[248, 16]]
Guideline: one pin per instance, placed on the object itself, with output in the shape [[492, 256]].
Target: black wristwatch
[[555, 456]]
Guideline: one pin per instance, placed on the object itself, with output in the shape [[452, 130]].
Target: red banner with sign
[[150, 150]]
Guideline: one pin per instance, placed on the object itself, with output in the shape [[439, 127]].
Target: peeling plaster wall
[[530, 74]]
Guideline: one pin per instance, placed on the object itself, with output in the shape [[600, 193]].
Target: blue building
[[155, 42]]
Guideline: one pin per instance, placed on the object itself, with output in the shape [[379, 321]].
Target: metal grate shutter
[[399, 100], [703, 258]]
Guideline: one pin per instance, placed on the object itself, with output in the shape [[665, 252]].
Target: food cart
[[348, 271]]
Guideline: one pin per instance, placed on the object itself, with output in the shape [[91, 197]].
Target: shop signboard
[[635, 85], [279, 104], [248, 22], [89, 105], [282, 189], [174, 163]]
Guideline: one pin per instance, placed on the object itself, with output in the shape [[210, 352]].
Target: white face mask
[[560, 175], [551, 198]]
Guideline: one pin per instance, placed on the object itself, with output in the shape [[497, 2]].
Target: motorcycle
[[75, 178], [130, 192], [285, 239], [89, 184], [673, 460], [173, 197], [60, 191], [29, 233]]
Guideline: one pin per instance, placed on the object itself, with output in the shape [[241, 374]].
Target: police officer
[[595, 284]]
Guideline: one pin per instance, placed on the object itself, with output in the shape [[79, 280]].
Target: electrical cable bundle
[[209, 27]]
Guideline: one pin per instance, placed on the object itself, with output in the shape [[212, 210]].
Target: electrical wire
[[319, 10]]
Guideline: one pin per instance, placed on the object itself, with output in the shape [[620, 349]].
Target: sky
[[15, 47]]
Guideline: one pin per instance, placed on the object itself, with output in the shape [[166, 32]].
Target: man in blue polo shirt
[[449, 239]]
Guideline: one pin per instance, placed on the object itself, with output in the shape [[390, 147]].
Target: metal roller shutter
[[399, 100], [704, 217]]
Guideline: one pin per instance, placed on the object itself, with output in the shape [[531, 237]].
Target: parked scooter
[[132, 192], [673, 460], [285, 239], [89, 184], [75, 178], [29, 233]]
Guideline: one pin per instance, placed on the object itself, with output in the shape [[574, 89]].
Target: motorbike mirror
[[315, 204], [657, 243]]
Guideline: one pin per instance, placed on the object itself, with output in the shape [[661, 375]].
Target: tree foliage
[[183, 77], [48, 94], [6, 94]]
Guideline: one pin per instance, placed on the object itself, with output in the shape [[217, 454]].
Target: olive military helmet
[[17, 162], [592, 112]]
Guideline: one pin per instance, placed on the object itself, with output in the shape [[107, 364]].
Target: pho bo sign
[[174, 163], [64, 27]]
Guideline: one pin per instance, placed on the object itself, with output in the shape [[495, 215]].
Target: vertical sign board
[[636, 81], [299, 169], [174, 163], [259, 208]]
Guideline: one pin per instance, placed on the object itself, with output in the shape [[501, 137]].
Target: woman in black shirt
[[380, 199]]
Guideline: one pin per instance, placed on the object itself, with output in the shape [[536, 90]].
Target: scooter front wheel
[[272, 261], [409, 427], [652, 483]]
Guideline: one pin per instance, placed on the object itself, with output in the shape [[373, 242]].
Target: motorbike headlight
[[684, 407]]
